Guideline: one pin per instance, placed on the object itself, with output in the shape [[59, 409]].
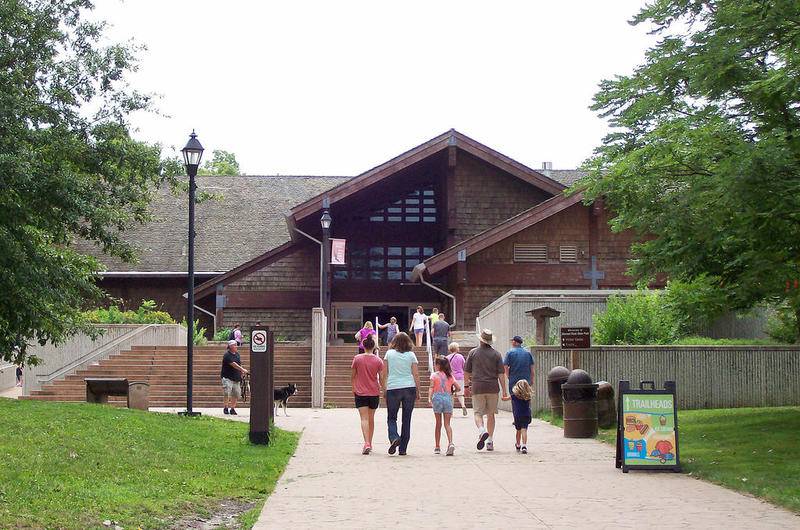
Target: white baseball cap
[[232, 342]]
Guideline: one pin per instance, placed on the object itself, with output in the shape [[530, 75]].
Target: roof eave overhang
[[451, 138]]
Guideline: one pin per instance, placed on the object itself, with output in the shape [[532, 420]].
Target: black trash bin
[[606, 406], [580, 405], [555, 378]]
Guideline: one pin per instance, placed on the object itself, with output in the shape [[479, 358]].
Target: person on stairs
[[231, 375]]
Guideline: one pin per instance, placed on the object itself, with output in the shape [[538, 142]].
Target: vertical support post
[[326, 261], [261, 347], [271, 379], [318, 353]]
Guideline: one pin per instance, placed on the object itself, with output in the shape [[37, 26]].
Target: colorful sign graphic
[[648, 429]]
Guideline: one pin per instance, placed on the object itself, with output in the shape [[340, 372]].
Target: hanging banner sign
[[337, 251], [647, 432]]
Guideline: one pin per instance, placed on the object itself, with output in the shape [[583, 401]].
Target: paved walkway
[[561, 483]]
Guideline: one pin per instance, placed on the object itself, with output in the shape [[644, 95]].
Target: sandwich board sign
[[647, 427], [258, 341]]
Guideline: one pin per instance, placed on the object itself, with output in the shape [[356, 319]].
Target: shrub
[[694, 304], [640, 318], [198, 332], [147, 313], [222, 334], [782, 325]]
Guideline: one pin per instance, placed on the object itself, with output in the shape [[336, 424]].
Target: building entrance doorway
[[384, 313]]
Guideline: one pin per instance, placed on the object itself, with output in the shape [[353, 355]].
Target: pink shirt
[[367, 367], [457, 364], [436, 382]]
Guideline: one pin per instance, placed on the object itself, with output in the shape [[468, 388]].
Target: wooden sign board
[[576, 338], [647, 428]]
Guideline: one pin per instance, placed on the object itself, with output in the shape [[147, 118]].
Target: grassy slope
[[754, 450], [75, 465]]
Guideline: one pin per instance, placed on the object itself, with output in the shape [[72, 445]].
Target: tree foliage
[[221, 163], [66, 171], [703, 160]]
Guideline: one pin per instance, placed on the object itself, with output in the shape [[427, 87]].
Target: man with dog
[[485, 376], [231, 374]]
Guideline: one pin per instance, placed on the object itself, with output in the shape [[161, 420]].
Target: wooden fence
[[706, 376]]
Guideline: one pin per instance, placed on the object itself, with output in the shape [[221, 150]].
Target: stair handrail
[[428, 344], [92, 355]]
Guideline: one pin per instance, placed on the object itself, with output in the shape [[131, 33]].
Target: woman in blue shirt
[[400, 379]]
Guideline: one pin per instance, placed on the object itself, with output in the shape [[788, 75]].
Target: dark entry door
[[384, 313]]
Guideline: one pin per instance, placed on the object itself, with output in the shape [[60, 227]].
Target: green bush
[[694, 304], [147, 313], [707, 341], [198, 332], [782, 325], [640, 318], [222, 334]]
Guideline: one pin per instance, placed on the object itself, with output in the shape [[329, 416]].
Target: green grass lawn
[[66, 465], [753, 450]]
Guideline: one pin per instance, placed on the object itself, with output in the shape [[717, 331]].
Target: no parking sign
[[258, 341]]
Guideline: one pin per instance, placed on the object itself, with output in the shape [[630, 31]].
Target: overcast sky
[[337, 87]]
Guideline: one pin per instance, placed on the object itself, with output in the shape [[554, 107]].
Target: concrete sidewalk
[[560, 484]]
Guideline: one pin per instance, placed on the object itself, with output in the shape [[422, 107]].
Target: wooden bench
[[98, 389]]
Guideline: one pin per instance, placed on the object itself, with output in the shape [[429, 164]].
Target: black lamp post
[[192, 154], [325, 222]]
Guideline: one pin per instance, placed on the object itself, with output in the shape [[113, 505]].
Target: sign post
[[575, 339], [261, 352], [647, 427]]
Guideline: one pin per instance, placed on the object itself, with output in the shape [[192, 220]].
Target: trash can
[[580, 405], [606, 406], [139, 395], [555, 378]]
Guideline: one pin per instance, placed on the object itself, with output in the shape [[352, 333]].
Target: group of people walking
[[484, 372]]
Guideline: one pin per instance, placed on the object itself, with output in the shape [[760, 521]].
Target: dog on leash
[[281, 397]]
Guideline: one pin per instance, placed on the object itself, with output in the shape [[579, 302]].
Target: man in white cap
[[231, 374], [485, 376]]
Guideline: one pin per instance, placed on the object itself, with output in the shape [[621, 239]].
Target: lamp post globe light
[[325, 223], [192, 154]]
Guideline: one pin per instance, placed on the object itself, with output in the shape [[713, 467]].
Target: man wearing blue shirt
[[518, 364]]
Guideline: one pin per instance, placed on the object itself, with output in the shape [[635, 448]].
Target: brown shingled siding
[[286, 324], [299, 271], [492, 272], [486, 196]]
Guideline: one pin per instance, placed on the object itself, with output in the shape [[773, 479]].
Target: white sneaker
[[450, 450], [489, 445], [524, 450], [437, 451], [482, 439]]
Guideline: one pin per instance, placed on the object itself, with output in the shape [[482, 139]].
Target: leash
[[245, 385]]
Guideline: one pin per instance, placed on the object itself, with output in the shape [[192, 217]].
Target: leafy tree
[[221, 163], [66, 172], [703, 161]]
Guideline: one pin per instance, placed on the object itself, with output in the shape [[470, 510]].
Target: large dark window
[[382, 263], [417, 207]]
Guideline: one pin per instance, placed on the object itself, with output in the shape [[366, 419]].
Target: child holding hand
[[440, 397], [521, 407]]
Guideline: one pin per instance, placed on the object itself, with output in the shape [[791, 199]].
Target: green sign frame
[[647, 427]]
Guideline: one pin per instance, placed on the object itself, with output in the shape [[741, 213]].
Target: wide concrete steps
[[165, 369]]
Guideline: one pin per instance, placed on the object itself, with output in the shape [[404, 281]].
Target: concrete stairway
[[338, 391], [165, 369]]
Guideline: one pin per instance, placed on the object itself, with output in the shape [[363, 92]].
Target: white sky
[[337, 87]]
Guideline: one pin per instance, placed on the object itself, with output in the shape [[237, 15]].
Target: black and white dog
[[281, 397]]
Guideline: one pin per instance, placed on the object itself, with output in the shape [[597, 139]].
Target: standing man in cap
[[485, 377], [519, 363], [231, 374], [519, 367]]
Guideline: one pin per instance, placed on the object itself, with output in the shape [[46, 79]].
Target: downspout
[[418, 273], [321, 264]]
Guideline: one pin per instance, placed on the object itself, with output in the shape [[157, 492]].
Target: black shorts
[[522, 422], [367, 401]]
